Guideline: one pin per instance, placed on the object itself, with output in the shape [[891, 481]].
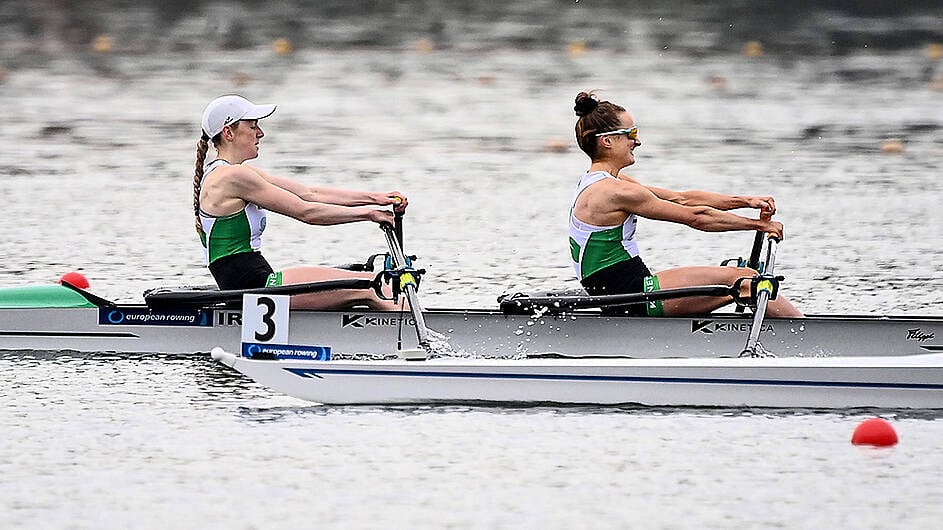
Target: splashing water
[[439, 346]]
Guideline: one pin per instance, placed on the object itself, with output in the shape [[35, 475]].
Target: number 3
[[265, 319]]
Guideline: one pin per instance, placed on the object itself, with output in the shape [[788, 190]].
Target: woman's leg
[[338, 299], [695, 276]]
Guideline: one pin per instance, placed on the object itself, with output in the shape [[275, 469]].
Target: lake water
[[474, 123]]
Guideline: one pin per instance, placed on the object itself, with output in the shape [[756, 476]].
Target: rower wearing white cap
[[230, 198]]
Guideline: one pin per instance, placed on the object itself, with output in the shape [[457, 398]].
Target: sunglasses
[[631, 132]]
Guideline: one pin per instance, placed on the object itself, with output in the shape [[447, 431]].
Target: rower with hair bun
[[230, 199], [606, 206]]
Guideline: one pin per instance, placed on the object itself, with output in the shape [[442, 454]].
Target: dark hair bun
[[585, 103]]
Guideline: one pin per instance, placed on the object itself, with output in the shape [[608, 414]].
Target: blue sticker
[[142, 316], [253, 350]]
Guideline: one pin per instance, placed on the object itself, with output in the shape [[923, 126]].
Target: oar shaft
[[408, 286], [762, 299]]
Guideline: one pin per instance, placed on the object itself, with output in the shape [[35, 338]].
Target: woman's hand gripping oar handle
[[398, 223], [764, 290], [408, 284]]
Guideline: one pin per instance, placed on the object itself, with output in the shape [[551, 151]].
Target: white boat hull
[[911, 382], [136, 329]]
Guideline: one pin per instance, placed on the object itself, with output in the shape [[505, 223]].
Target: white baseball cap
[[225, 110]]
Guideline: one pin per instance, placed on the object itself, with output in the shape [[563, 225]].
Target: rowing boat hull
[[912, 382], [137, 329]]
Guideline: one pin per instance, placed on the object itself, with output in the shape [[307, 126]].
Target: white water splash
[[439, 346]]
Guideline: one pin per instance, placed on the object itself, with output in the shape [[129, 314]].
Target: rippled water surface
[[96, 176], [140, 442]]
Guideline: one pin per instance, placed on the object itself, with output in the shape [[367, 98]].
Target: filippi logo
[[712, 326], [363, 321], [917, 334]]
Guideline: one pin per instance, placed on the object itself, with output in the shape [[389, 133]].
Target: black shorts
[[246, 270], [625, 277]]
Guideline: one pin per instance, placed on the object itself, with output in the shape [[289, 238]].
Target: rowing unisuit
[[231, 244], [606, 258], [234, 233], [594, 248]]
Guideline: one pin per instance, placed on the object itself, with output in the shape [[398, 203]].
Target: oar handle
[[398, 220], [754, 261], [398, 228]]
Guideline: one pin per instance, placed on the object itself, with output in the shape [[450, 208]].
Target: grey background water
[[468, 110]]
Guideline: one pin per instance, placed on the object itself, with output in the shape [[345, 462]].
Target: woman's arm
[[249, 185], [338, 196], [638, 199], [719, 201], [344, 197]]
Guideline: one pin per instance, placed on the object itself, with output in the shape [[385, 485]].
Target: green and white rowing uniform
[[594, 248], [231, 245], [606, 258], [234, 233]]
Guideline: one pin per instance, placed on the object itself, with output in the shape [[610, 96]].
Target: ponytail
[[201, 147]]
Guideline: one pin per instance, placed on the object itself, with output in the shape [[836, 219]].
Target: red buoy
[[875, 431], [74, 279]]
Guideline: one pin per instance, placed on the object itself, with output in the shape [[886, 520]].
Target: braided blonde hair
[[201, 147]]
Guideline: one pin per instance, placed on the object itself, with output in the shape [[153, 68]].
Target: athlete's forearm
[[322, 194], [709, 219], [338, 196], [330, 214], [719, 201]]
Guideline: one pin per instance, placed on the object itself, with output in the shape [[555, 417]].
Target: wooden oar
[[407, 284], [763, 291]]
